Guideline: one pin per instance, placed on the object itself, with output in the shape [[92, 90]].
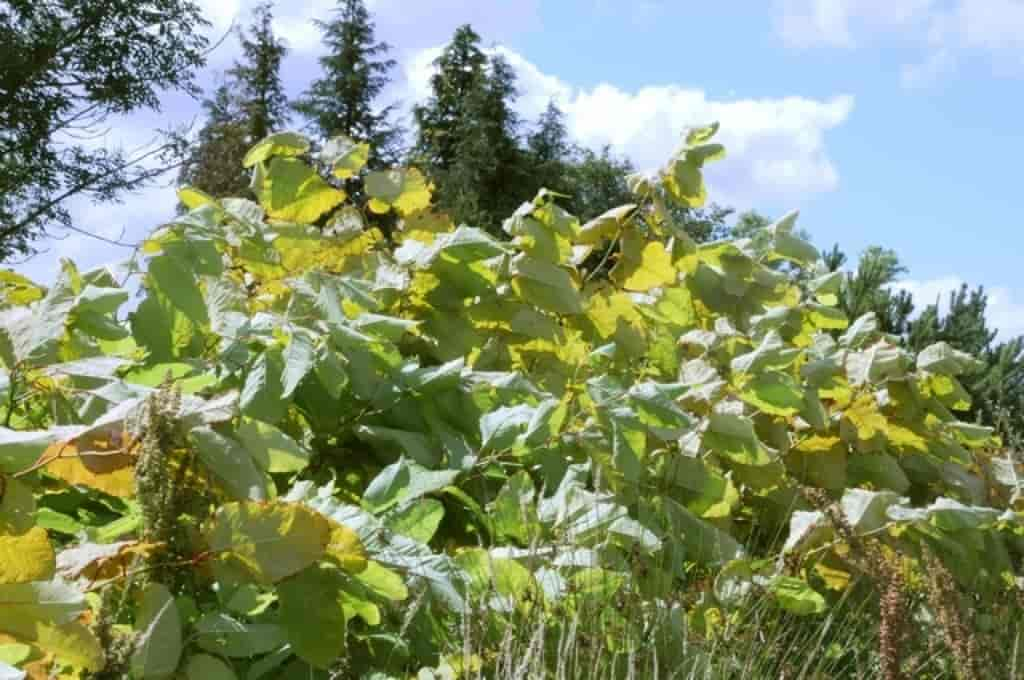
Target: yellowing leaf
[[97, 461], [773, 392], [864, 415], [193, 198], [685, 183], [26, 557], [425, 225], [18, 290], [71, 644], [279, 144], [270, 540], [608, 309], [834, 577], [99, 562], [383, 582], [407, 191], [643, 266], [346, 549], [290, 190], [905, 438]]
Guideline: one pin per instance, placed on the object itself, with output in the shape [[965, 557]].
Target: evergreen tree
[[258, 75], [549, 142], [246, 107], [868, 290], [997, 390], [356, 72], [551, 155], [215, 162], [459, 72], [963, 325], [467, 137]]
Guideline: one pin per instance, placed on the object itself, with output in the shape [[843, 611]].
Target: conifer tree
[[247, 106], [258, 75], [356, 71], [215, 162], [549, 142], [468, 135], [460, 70]]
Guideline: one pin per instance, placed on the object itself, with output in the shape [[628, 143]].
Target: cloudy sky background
[[894, 122]]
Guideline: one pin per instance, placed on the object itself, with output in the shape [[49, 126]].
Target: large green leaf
[[313, 612], [159, 644], [207, 667], [263, 392], [273, 449], [234, 466], [220, 634], [546, 285], [270, 540]]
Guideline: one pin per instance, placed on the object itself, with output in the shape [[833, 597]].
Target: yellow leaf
[[834, 578], [193, 198], [70, 644], [643, 266], [292, 191], [18, 290], [96, 462], [864, 415], [346, 549], [424, 226], [405, 190], [607, 310], [96, 562], [270, 540], [26, 557], [904, 438]]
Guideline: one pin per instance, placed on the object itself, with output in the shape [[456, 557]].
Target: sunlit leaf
[[270, 540]]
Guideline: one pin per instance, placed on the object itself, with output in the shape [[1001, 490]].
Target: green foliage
[[363, 451], [66, 67]]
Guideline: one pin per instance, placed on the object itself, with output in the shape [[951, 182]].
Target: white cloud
[[1005, 311], [943, 30], [129, 221], [776, 145], [835, 23]]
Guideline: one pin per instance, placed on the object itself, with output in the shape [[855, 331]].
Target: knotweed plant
[[584, 450]]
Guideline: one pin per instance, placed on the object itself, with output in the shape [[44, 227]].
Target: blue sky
[[896, 122]]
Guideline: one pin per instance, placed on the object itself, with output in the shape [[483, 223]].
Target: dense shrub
[[314, 449]]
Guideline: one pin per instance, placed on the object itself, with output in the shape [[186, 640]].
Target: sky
[[890, 122]]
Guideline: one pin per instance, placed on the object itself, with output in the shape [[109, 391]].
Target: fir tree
[[246, 107], [468, 135], [460, 71], [215, 163], [549, 142], [550, 151], [258, 75], [868, 289], [356, 72]]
